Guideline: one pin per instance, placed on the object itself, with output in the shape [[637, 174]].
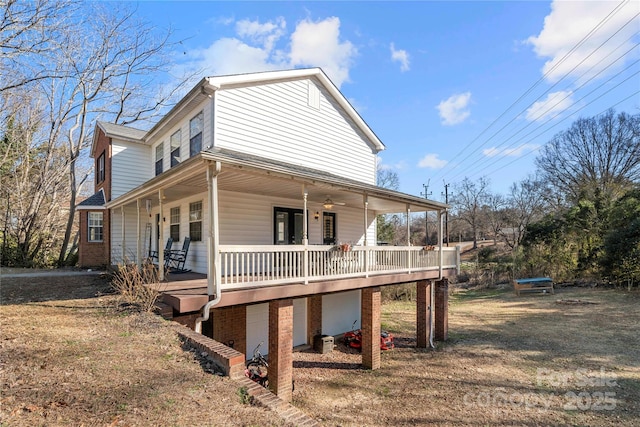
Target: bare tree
[[468, 201], [95, 62], [595, 155], [494, 214], [526, 204], [28, 32]]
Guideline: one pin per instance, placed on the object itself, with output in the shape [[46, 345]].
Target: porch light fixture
[[316, 215], [328, 203]]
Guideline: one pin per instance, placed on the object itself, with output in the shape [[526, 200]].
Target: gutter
[[213, 273]]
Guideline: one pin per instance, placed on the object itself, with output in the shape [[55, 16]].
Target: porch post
[[122, 240], [423, 311], [138, 240], [370, 313], [440, 253], [160, 238], [213, 242], [281, 348], [441, 321], [365, 199], [409, 237], [305, 236], [314, 317]]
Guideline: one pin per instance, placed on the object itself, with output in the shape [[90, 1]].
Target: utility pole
[[446, 213], [426, 195]]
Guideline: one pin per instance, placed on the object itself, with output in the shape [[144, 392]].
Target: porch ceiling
[[254, 175]]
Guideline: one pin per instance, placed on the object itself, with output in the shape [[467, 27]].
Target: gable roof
[[95, 201], [209, 85], [125, 133], [235, 80]]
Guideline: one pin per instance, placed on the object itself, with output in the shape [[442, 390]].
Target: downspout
[[138, 242], [213, 265], [433, 295]]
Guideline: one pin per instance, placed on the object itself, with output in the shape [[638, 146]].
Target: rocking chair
[[153, 255], [175, 260]]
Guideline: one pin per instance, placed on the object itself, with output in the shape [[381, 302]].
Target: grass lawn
[[567, 359]]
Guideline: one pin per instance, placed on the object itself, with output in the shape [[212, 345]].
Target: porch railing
[[251, 265]]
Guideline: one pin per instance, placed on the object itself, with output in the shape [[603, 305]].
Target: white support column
[[441, 255], [138, 239], [365, 201], [161, 237], [122, 237], [409, 237], [305, 234], [213, 241]]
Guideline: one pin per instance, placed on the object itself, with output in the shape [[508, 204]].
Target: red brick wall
[[441, 325], [371, 303], [94, 254], [230, 323], [280, 348], [103, 144], [314, 317], [423, 301]]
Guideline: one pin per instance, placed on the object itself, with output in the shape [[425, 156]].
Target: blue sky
[[436, 81]]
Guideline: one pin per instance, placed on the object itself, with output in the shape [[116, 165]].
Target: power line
[[533, 151], [564, 58], [550, 108]]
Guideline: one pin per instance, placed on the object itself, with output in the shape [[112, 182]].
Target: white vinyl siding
[[130, 167], [257, 328], [258, 325], [276, 121], [129, 252], [247, 219], [183, 128], [339, 312]]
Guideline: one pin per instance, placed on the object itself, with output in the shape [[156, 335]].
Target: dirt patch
[[80, 361]]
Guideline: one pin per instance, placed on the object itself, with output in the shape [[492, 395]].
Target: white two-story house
[[272, 178]]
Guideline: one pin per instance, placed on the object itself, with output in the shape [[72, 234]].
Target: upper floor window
[[100, 168], [195, 221], [195, 134], [95, 226], [159, 157], [174, 219], [175, 142]]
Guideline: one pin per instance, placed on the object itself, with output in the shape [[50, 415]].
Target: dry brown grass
[[487, 374], [81, 362]]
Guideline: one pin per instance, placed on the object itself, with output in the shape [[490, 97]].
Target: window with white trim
[[174, 220], [159, 158], [195, 134], [176, 140], [94, 221], [195, 221]]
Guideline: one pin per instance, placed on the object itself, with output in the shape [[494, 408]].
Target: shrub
[[130, 282]]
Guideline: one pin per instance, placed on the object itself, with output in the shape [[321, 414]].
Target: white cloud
[[553, 104], [401, 56], [266, 34], [509, 152], [255, 48], [400, 165], [317, 44], [431, 161], [569, 22], [454, 109]]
